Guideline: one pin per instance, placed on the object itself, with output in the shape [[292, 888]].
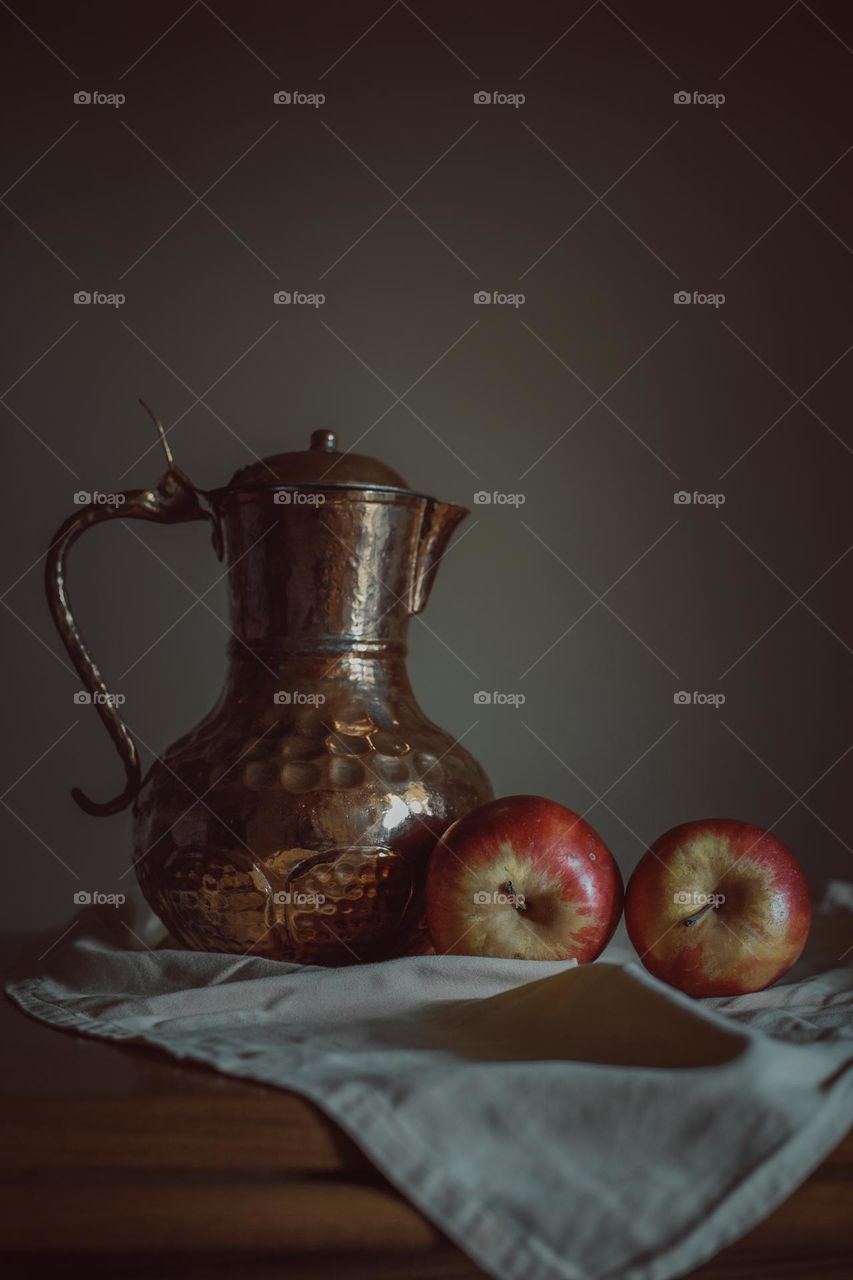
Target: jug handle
[[174, 501]]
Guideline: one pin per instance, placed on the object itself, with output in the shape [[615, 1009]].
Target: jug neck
[[340, 574], [285, 678]]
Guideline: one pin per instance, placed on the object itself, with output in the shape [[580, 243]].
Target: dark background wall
[[597, 399]]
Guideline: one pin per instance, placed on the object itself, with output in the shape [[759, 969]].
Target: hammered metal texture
[[296, 820]]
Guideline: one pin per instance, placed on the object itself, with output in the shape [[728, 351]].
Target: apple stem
[[689, 921], [509, 889]]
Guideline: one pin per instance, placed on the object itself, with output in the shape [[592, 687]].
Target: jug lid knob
[[325, 440]]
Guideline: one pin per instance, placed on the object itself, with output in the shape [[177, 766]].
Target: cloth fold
[[559, 1123]]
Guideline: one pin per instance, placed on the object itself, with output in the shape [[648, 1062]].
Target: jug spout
[[439, 521]]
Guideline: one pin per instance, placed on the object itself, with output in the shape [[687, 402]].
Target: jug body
[[299, 829], [296, 820]]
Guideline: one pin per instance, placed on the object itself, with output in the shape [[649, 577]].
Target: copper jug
[[296, 819]]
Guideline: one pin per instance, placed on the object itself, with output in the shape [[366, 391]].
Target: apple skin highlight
[[523, 878], [718, 907]]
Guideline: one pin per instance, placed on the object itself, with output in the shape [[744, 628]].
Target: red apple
[[718, 908], [523, 878]]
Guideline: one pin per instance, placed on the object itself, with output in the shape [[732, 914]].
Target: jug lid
[[321, 463]]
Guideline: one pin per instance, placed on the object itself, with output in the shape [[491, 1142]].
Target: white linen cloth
[[559, 1123]]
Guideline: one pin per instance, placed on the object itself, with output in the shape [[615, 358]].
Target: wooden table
[[118, 1162]]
